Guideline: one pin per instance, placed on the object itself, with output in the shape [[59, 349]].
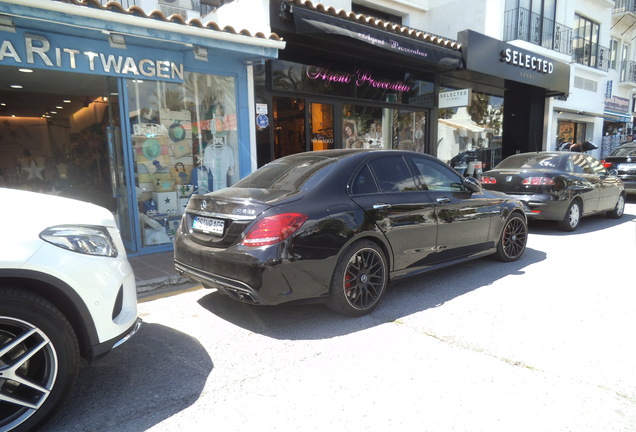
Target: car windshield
[[288, 174], [624, 151], [530, 160]]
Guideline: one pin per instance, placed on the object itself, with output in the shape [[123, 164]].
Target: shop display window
[[469, 137], [388, 128], [185, 141]]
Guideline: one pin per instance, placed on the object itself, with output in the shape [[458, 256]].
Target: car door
[[609, 186], [386, 190], [463, 217], [585, 182]]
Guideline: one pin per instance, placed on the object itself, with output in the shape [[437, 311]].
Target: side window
[[393, 174], [435, 176], [596, 166], [364, 183], [580, 164]]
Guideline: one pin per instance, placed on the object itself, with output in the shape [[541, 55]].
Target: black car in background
[[562, 186], [623, 160], [335, 226]]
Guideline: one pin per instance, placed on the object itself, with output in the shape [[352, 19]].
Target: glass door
[[118, 167], [321, 126]]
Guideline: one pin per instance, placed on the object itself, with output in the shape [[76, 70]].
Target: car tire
[[38, 346], [513, 239], [572, 217], [359, 280], [619, 208]]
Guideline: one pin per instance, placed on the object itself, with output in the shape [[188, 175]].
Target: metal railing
[[525, 25], [628, 71], [624, 6], [590, 54]]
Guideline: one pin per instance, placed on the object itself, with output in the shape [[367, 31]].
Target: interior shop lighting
[[25, 70], [16, 86]]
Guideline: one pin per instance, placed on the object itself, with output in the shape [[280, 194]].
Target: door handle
[[442, 200], [380, 206]]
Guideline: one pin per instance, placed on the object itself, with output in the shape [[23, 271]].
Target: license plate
[[208, 225], [627, 167]]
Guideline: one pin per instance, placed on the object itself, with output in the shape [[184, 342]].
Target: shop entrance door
[[117, 166], [321, 126]]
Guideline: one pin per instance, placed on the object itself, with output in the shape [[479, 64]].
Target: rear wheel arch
[[63, 297]]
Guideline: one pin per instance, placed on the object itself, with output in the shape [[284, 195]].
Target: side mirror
[[472, 184], [613, 172]]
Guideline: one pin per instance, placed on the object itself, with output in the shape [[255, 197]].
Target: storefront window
[[184, 138], [469, 136], [375, 127]]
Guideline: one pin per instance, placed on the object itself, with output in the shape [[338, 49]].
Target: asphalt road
[[546, 343]]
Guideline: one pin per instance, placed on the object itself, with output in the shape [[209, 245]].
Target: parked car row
[[333, 226]]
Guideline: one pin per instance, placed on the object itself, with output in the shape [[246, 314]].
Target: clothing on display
[[218, 158]]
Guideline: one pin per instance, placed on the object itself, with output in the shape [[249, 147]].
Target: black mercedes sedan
[[562, 186], [336, 226], [623, 160]]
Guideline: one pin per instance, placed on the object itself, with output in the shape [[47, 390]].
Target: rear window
[[530, 161], [292, 174], [624, 151]]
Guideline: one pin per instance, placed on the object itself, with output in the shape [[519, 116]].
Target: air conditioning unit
[[177, 4], [171, 10]]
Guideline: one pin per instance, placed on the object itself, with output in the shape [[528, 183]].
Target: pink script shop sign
[[360, 78]]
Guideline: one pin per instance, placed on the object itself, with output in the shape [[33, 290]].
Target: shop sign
[[88, 56], [617, 104], [455, 98], [496, 58], [359, 78], [527, 61]]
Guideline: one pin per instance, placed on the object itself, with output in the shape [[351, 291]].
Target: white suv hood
[[41, 211]]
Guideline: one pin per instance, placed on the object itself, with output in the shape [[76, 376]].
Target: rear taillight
[[606, 164], [273, 229], [488, 180], [537, 181]]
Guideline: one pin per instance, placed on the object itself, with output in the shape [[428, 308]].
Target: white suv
[[66, 290]]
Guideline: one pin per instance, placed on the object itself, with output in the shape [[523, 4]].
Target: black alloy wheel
[[514, 237], [39, 358], [359, 280]]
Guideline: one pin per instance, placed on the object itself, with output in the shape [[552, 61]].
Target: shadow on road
[[120, 391], [403, 298], [587, 224]]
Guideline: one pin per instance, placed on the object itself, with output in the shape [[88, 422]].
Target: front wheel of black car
[[359, 280], [39, 358], [514, 237], [619, 209], [572, 217]]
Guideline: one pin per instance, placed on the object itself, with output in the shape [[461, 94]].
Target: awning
[[310, 21], [617, 117]]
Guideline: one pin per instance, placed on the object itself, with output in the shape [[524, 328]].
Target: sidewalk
[[155, 272]]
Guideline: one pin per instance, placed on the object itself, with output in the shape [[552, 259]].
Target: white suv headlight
[[89, 240]]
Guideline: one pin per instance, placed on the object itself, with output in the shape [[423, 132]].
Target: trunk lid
[[218, 219]]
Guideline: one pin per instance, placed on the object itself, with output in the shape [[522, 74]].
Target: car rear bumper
[[543, 206]]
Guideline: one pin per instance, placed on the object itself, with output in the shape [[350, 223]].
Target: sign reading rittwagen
[[92, 56]]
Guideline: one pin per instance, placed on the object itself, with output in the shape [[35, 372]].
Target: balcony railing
[[628, 71], [624, 6], [531, 27], [590, 54]]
